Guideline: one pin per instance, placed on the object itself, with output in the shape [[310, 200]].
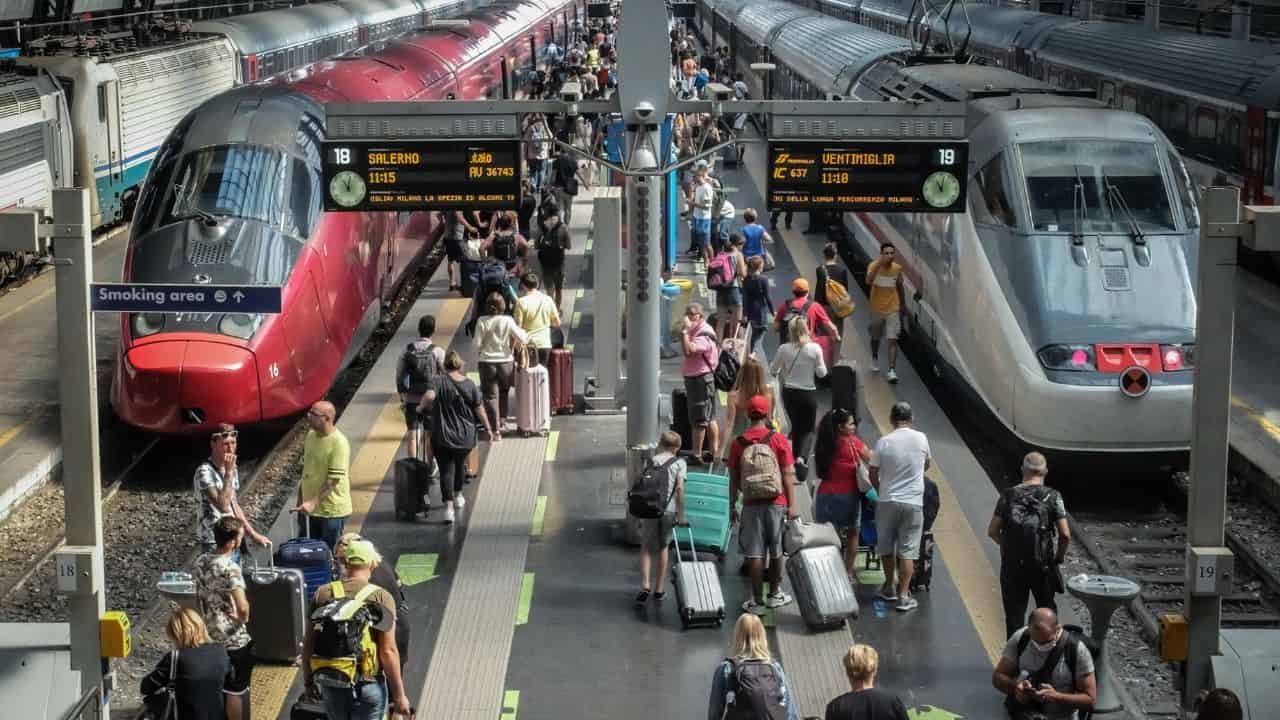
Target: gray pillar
[[1241, 20], [1211, 405], [606, 264], [644, 291], [1152, 14], [1086, 9], [78, 395]]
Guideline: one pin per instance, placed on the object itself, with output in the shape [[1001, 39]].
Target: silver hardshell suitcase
[[698, 595], [822, 587], [278, 623]]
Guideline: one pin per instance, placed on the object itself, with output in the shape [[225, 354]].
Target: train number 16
[[946, 156]]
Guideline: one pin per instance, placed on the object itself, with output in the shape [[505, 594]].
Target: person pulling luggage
[[421, 361], [657, 498], [750, 684], [762, 469], [897, 469], [840, 459], [798, 365]]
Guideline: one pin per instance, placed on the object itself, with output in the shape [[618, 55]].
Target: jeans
[[496, 380], [757, 334], [367, 702], [802, 408], [1018, 582], [453, 470], [328, 529]]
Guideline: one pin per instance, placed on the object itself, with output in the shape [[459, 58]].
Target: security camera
[[644, 110], [571, 92], [720, 92]]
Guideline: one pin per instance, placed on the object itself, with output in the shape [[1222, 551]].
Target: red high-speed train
[[234, 197]]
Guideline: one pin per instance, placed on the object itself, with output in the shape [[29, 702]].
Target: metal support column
[[606, 264], [1211, 405], [78, 395], [1241, 21], [1152, 14]]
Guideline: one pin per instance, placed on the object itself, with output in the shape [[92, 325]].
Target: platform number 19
[[342, 156], [946, 156]]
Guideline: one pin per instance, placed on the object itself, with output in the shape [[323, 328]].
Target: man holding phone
[[1046, 671], [217, 481]]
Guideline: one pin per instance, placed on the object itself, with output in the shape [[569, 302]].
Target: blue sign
[[144, 298]]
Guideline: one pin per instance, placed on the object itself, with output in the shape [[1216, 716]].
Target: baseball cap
[[359, 553], [758, 407], [800, 284]]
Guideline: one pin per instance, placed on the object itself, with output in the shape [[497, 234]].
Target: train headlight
[[1177, 357], [1068, 357], [239, 325], [145, 324]]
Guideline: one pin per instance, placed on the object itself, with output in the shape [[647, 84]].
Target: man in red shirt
[[762, 468], [801, 304]]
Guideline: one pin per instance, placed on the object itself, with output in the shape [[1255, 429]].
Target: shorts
[[701, 394], [552, 275], [414, 418], [886, 325], [655, 533], [237, 682], [899, 526], [760, 532], [700, 235], [453, 249], [840, 509], [729, 297]]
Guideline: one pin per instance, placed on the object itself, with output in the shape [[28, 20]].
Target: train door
[[109, 117], [387, 265]]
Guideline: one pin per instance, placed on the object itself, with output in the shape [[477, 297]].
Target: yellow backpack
[[344, 653], [838, 299]]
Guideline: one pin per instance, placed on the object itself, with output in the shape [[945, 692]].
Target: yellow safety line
[[959, 543], [16, 430], [369, 467], [34, 299], [1254, 414]]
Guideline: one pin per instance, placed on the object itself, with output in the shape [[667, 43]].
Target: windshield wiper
[[207, 217], [1079, 208], [1117, 200]]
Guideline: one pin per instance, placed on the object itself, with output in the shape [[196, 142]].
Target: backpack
[[551, 245], [344, 653], [838, 297], [755, 692], [761, 474], [792, 313], [726, 372], [648, 497], [493, 277], [1075, 635], [504, 248], [720, 271], [717, 198], [420, 366], [932, 504], [1029, 532]]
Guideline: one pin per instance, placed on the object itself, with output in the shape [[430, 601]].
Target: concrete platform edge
[[30, 481]]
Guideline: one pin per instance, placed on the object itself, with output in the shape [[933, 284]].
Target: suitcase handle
[[299, 518], [693, 550]]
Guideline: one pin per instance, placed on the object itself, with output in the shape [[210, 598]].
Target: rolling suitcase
[[312, 557], [561, 372], [533, 397], [844, 387], [308, 708], [470, 272], [698, 596], [278, 624], [412, 483], [922, 578], [706, 508], [680, 418], [822, 588]]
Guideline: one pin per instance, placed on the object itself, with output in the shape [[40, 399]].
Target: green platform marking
[[510, 704], [539, 514], [526, 599], [931, 712], [417, 568], [553, 443], [474, 376], [577, 320], [581, 292]]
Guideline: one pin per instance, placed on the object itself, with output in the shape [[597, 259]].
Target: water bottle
[[881, 609]]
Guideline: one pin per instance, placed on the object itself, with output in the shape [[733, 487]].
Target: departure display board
[[868, 176], [371, 176]]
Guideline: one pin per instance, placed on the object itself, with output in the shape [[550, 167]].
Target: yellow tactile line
[[957, 540], [271, 683], [1258, 417]]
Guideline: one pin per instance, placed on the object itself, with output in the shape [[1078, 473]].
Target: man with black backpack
[[566, 176], [657, 499], [1030, 525], [1047, 670], [422, 360], [553, 245]]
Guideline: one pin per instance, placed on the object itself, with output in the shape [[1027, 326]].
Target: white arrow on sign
[[238, 296]]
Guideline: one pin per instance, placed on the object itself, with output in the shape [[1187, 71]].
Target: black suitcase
[[307, 708], [278, 621], [680, 418], [922, 578], [413, 480], [844, 387]]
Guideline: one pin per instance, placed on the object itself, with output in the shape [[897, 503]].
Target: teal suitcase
[[706, 508]]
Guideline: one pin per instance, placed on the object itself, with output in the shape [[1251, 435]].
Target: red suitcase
[[561, 382], [828, 345]]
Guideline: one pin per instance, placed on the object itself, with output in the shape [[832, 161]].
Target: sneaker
[[777, 600], [891, 376], [907, 603], [890, 595], [660, 596], [435, 470], [875, 367], [642, 597], [459, 502], [753, 607]]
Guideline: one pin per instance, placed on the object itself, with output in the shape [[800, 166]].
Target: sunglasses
[[228, 435]]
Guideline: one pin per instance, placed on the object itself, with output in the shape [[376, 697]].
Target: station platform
[[522, 609]]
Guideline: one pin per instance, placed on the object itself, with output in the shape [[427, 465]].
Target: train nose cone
[[187, 386]]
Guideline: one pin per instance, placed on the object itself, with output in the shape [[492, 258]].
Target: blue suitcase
[[706, 508], [312, 557]]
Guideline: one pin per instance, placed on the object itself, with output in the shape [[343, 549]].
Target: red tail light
[[1177, 357]]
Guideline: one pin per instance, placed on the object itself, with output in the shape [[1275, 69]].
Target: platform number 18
[[946, 156], [342, 156]]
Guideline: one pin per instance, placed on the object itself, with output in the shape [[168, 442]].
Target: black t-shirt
[[528, 206], [453, 414], [552, 244], [835, 272], [202, 673], [869, 704], [566, 170]]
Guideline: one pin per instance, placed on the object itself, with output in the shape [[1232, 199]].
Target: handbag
[[169, 696], [800, 535], [769, 264]]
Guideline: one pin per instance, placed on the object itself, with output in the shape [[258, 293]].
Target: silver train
[[107, 103], [1064, 298]]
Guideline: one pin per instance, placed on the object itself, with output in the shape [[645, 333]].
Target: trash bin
[[670, 291], [179, 588]]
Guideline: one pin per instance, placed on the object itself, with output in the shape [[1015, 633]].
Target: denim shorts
[[760, 534], [729, 297], [840, 509], [700, 235]]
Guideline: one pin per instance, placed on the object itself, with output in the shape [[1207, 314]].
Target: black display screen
[[370, 176], [870, 176]]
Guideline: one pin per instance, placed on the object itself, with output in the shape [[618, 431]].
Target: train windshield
[[246, 181], [1103, 186]]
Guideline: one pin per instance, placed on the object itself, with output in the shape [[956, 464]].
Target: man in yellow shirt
[[536, 314], [884, 277], [325, 493]]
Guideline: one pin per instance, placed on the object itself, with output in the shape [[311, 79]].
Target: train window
[[1185, 189], [1095, 186], [992, 202], [1206, 124], [1107, 92], [102, 102]]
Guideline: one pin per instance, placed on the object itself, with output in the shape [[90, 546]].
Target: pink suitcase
[[533, 399]]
